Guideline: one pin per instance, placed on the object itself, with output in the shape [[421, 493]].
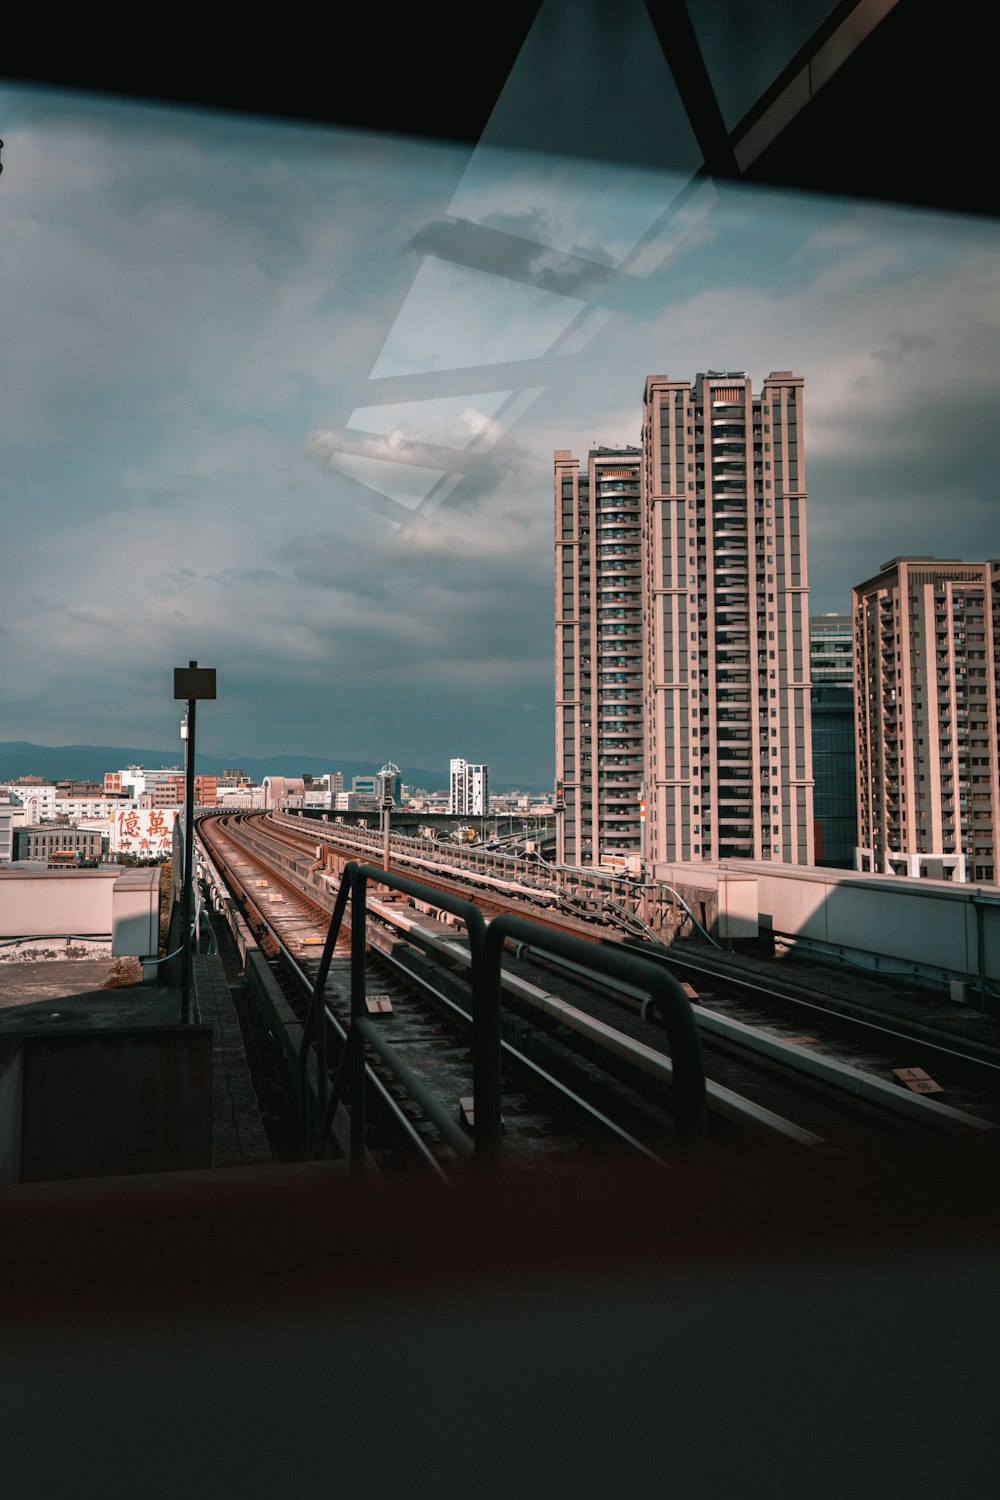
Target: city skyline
[[215, 334]]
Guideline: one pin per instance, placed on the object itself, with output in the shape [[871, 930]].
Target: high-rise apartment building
[[728, 752], [469, 795], [835, 797], [599, 652], [925, 639]]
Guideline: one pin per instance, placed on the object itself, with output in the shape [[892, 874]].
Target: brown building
[[728, 753], [925, 634], [599, 653], [170, 792]]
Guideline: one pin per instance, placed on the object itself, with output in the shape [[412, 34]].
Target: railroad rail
[[319, 1101]]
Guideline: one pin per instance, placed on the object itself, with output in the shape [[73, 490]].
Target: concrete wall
[[56, 903], [927, 925], [120, 905], [104, 1103], [726, 902], [136, 911], [11, 1075]]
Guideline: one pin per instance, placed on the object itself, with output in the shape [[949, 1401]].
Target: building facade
[[599, 654], [925, 637], [726, 689], [36, 844], [12, 817], [38, 798], [835, 798], [469, 795]]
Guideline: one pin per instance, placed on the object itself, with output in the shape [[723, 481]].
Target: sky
[[283, 399]]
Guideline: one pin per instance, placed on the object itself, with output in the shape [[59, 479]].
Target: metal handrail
[[633, 968], [486, 944], [351, 1069]]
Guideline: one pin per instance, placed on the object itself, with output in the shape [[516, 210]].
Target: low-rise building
[[242, 797], [39, 844], [76, 809], [37, 797], [11, 817]]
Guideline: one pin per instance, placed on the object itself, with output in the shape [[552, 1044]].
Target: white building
[[470, 796], [137, 779], [245, 798], [89, 808], [38, 801], [11, 817]]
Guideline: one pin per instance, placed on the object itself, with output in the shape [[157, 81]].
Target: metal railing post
[[359, 982], [486, 1057]]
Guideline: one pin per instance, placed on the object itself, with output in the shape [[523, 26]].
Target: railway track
[[545, 1122], [594, 1040]]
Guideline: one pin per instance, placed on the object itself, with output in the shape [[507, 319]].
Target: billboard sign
[[147, 832]]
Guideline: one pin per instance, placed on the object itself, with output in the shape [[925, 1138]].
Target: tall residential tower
[[599, 653], [925, 641], [835, 798], [728, 754]]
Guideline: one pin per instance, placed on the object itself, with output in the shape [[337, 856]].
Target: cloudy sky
[[284, 399]]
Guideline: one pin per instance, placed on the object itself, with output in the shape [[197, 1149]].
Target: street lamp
[[191, 682], [387, 775]]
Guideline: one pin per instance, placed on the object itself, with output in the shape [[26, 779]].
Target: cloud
[[192, 311]]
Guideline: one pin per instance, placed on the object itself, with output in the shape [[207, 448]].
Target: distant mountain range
[[89, 763]]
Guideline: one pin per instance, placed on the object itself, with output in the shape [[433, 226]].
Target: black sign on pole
[[194, 681], [191, 682]]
